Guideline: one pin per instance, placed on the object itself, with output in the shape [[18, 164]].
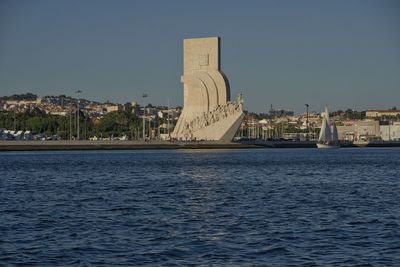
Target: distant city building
[[57, 100], [165, 113], [128, 107], [135, 108], [114, 107], [59, 113], [359, 130], [24, 102], [381, 113], [390, 132], [98, 108]]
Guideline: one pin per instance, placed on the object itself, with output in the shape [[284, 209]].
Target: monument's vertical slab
[[208, 113]]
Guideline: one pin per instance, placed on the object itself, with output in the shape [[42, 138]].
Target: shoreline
[[115, 145], [141, 145]]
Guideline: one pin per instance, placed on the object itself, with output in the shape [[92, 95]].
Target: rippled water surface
[[271, 207]]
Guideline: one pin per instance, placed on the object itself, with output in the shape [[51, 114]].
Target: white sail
[[327, 116], [322, 132], [325, 135], [335, 136], [328, 138]]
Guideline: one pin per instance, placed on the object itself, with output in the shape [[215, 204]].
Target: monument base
[[223, 130], [219, 124]]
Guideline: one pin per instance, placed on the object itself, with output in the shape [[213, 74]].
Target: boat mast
[[335, 136]]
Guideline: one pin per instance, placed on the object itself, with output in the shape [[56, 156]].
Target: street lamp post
[[150, 129], [70, 121], [308, 131], [84, 115], [15, 121], [77, 113], [169, 136], [144, 118]]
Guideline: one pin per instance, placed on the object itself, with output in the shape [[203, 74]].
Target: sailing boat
[[328, 138]]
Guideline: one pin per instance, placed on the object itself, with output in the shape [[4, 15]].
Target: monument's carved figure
[[208, 113]]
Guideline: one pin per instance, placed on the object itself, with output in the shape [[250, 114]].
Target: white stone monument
[[207, 113]]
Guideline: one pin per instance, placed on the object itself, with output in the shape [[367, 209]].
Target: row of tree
[[115, 124], [18, 97]]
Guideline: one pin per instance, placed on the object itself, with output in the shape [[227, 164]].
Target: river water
[[259, 207]]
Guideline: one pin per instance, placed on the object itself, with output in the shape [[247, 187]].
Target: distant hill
[[18, 97]]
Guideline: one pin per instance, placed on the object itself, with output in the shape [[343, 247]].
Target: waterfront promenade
[[115, 145], [142, 145]]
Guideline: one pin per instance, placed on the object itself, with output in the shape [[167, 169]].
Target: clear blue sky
[[344, 54]]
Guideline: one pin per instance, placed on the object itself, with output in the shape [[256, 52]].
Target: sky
[[341, 54]]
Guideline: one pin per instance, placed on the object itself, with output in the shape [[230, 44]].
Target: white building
[[113, 108], [359, 130], [381, 113], [390, 132]]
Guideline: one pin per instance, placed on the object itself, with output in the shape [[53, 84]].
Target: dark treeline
[[38, 122], [349, 114], [18, 97]]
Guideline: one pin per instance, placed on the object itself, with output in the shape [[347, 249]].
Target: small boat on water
[[328, 137]]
